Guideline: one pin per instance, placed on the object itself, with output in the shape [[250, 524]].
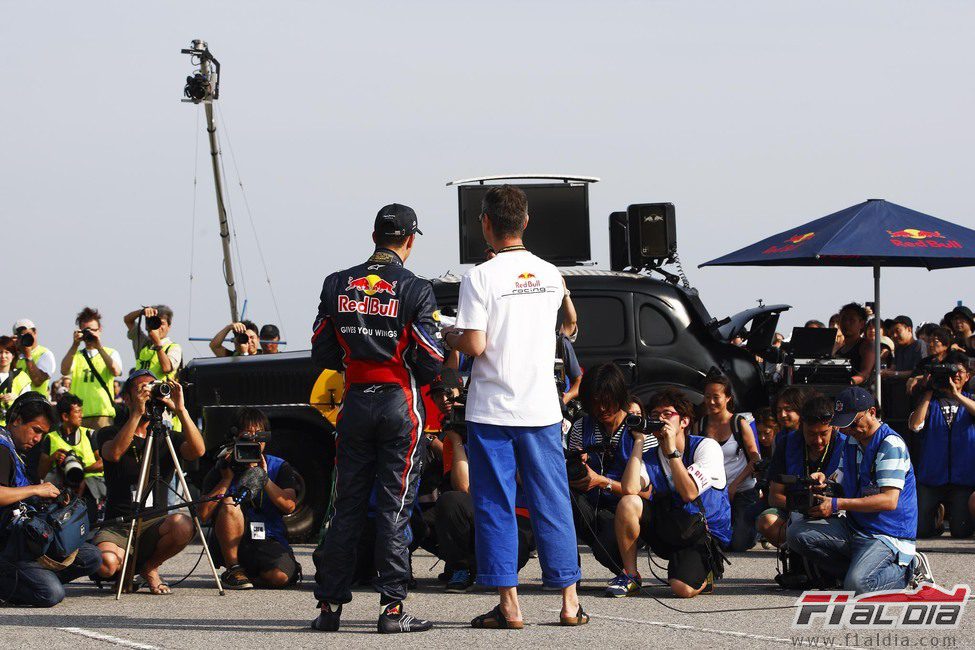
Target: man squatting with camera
[[28, 578], [123, 450], [377, 322], [251, 537], [506, 321], [872, 547], [636, 493]]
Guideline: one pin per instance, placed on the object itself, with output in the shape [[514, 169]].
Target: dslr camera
[[87, 336], [153, 323], [72, 471], [244, 450], [25, 340], [802, 493]]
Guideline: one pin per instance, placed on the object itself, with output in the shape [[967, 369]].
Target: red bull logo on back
[[371, 285]]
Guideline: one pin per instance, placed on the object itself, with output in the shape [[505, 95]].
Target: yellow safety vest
[[83, 450], [20, 379], [149, 360], [94, 399], [34, 356]]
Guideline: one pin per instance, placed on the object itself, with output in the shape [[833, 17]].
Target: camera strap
[[97, 375]]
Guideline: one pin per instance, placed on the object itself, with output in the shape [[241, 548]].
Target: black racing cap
[[396, 220]]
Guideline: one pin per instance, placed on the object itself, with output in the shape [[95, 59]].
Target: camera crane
[[203, 86]]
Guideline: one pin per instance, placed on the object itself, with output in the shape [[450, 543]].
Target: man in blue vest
[[251, 538], [26, 580], [945, 423], [605, 445], [872, 548], [687, 478], [816, 447]]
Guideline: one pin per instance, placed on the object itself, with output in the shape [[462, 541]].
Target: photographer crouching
[[945, 420], [597, 450], [123, 450], [249, 527], [26, 576], [690, 516], [816, 447], [872, 547]]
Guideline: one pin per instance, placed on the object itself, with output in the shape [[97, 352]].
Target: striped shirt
[[575, 438], [892, 464]]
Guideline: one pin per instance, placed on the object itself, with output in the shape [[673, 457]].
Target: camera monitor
[[812, 342], [558, 226]]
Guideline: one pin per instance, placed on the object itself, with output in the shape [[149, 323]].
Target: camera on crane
[[203, 84]]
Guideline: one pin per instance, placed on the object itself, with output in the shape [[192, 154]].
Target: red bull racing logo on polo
[[914, 238], [370, 305]]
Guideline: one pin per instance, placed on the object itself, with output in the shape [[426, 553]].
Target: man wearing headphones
[[26, 580]]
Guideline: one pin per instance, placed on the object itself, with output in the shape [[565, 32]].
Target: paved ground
[[195, 617]]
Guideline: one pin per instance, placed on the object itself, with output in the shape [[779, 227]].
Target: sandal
[[581, 618], [161, 589], [495, 620]]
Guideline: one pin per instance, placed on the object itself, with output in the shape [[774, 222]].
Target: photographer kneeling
[[251, 536], [689, 515], [815, 447], [872, 547], [26, 578], [597, 451], [123, 450], [945, 420]]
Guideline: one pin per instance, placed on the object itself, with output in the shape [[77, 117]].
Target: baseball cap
[[397, 220], [905, 321], [849, 402], [24, 322], [135, 375]]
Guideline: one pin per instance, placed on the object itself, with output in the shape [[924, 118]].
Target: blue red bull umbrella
[[875, 233]]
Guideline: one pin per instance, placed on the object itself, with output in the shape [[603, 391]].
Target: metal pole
[[228, 269], [876, 333]]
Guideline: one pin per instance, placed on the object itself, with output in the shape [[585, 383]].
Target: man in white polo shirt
[[506, 320]]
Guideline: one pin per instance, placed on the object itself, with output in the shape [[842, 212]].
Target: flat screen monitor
[[558, 222]]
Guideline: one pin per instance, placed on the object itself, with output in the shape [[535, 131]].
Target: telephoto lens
[[26, 340]]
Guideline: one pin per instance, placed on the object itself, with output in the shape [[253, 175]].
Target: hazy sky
[[750, 117]]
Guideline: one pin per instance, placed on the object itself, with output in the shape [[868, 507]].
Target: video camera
[[940, 375], [802, 493], [239, 454], [643, 424]]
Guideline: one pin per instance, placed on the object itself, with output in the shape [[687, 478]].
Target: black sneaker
[[236, 578], [460, 581], [328, 619], [393, 621]]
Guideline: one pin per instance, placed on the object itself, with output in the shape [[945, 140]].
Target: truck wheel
[[311, 458]]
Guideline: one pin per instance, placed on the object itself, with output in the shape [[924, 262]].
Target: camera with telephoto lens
[[87, 336], [71, 470], [244, 450], [153, 323], [802, 493], [160, 390], [25, 340], [643, 424]]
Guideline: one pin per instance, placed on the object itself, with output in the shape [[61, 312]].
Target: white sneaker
[[922, 572]]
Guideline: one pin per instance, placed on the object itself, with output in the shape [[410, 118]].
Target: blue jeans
[[497, 453], [864, 563], [25, 582]]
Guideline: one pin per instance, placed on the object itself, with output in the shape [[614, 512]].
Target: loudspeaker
[[619, 241], [653, 232]]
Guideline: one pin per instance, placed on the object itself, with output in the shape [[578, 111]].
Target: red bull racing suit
[[376, 321]]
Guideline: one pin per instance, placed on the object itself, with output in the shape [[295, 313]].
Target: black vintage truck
[[659, 333]]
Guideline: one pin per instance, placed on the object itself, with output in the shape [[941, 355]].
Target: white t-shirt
[[706, 471], [514, 299], [735, 462]]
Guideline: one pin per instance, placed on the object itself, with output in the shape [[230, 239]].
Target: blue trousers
[[25, 582], [864, 563], [535, 453]]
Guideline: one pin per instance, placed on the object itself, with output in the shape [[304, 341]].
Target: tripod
[[158, 433]]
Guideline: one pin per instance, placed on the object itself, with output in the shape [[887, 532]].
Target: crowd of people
[[507, 469]]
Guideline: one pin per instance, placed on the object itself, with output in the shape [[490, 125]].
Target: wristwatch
[[673, 454]]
